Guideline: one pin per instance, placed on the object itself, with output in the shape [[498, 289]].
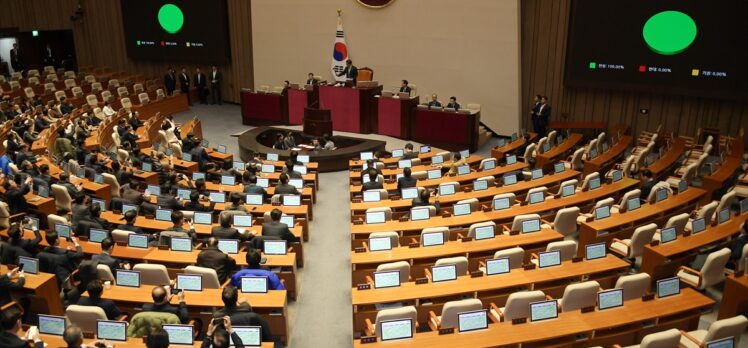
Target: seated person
[[129, 224], [423, 199], [236, 203], [277, 229], [10, 319], [212, 257], [7, 284], [225, 231], [167, 199], [453, 104], [434, 101], [409, 153], [62, 266], [288, 169], [73, 337], [317, 144], [178, 230], [195, 205], [404, 87], [254, 269], [241, 312], [407, 181], [94, 290], [105, 257], [457, 161], [221, 334], [329, 145], [161, 303], [279, 143], [373, 183], [251, 186], [283, 188], [15, 238]]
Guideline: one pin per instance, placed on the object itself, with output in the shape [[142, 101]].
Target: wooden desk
[[714, 183], [57, 342], [605, 160], [666, 162], [102, 191], [663, 260], [500, 152], [446, 129], [45, 290], [391, 173], [558, 151], [623, 225], [392, 161], [734, 297]]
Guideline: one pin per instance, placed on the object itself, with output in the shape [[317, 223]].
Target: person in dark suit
[[241, 313], [167, 200], [184, 84], [434, 101], [11, 322], [15, 59], [94, 290], [49, 58], [423, 200], [251, 186], [409, 153], [221, 334], [350, 72], [649, 183], [211, 257], [129, 224], [310, 80], [200, 84], [277, 229], [543, 115], [404, 88], [66, 264], [373, 183], [105, 257], [224, 230], [453, 104], [406, 181], [7, 284], [195, 205], [170, 81], [161, 304], [283, 188], [534, 112], [15, 190], [73, 336], [15, 238], [215, 85]]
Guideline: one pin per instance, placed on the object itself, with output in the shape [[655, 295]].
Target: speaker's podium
[[317, 122], [351, 109]]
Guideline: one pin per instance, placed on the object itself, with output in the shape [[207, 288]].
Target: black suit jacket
[[184, 82], [180, 311], [417, 202], [168, 202], [373, 185], [544, 114], [647, 189], [218, 79], [106, 259], [200, 80], [350, 72], [255, 189], [111, 310], [6, 286], [170, 82], [126, 227], [405, 89], [12, 341], [225, 233], [197, 206], [282, 189], [242, 315], [406, 182], [278, 230], [213, 258], [26, 244], [311, 82]]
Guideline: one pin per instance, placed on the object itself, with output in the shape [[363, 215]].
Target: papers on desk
[[304, 146], [296, 148]]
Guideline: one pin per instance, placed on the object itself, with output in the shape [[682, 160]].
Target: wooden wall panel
[[99, 37], [544, 35]]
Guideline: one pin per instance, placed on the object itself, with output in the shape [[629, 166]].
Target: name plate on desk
[[423, 280], [467, 239], [600, 233], [588, 309], [576, 259], [686, 233], [403, 219], [740, 273], [355, 200], [358, 222], [529, 267], [654, 243], [476, 274], [648, 297], [413, 245], [513, 233], [447, 331], [121, 243], [365, 286], [360, 250], [163, 247], [368, 339], [519, 321]]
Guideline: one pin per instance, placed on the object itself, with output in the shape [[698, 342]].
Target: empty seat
[[567, 249], [450, 311], [518, 305], [580, 295], [724, 328], [460, 262], [632, 248], [387, 212], [634, 285], [664, 339], [407, 312], [517, 222], [393, 236], [85, 317], [152, 274], [712, 273], [401, 266], [443, 230]]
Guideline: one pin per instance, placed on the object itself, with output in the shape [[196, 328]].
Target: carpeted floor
[[322, 315]]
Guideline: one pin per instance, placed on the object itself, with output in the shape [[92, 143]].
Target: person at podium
[[310, 80], [329, 145], [434, 101], [453, 104], [350, 72], [404, 87]]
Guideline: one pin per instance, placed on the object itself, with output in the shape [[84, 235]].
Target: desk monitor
[[682, 186], [549, 258], [96, 235], [135, 240], [532, 225], [197, 176], [744, 206], [365, 156], [254, 284], [698, 225], [605, 147], [128, 278], [51, 325], [727, 342], [509, 179], [409, 193], [204, 143], [263, 182], [514, 136], [559, 167], [218, 197], [443, 273], [594, 183], [189, 282], [543, 310], [668, 235], [228, 180], [372, 196], [301, 169], [128, 207], [485, 232], [154, 189], [163, 215], [287, 220], [501, 203], [537, 197], [490, 164], [43, 191], [396, 329], [610, 299], [147, 167], [100, 202], [536, 174], [602, 212], [497, 266], [275, 247], [480, 185], [380, 243], [111, 330], [398, 176], [546, 147], [267, 168], [272, 157], [432, 238], [180, 244], [424, 149], [251, 335], [633, 204], [568, 190], [179, 334], [388, 279], [404, 164], [595, 251], [239, 165], [30, 265], [446, 189], [617, 175], [471, 321], [203, 218], [398, 153], [511, 159], [229, 246], [63, 230], [33, 223], [184, 194], [661, 195], [186, 156], [501, 143], [722, 217], [461, 209], [375, 217], [593, 153], [463, 169], [465, 154], [292, 200], [421, 213], [668, 287], [239, 220], [99, 179], [434, 174], [366, 179], [303, 158], [254, 199], [438, 159], [221, 148]]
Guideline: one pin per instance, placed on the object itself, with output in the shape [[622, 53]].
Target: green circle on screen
[[171, 18], [669, 32]]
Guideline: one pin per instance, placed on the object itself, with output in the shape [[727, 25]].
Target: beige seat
[[600, 141], [567, 249], [70, 83], [587, 179], [62, 197], [564, 183], [113, 84], [489, 179], [92, 100], [77, 92], [32, 73], [138, 88], [90, 79], [49, 87], [517, 222], [529, 153], [122, 92], [4, 215], [160, 95], [729, 327], [393, 236], [143, 98], [450, 311], [541, 144], [33, 81], [122, 155], [622, 206], [29, 92], [712, 273], [105, 273], [511, 196], [111, 180], [407, 312], [402, 266], [688, 175], [728, 200], [565, 221], [628, 166], [85, 317], [15, 85], [592, 145], [634, 285], [59, 95], [152, 274], [706, 212], [419, 175], [443, 230], [452, 183], [446, 155], [579, 295], [209, 276], [126, 103], [742, 263], [517, 305], [96, 87], [460, 262], [516, 256], [53, 219], [633, 248], [552, 137], [99, 114], [474, 204], [51, 78], [69, 74], [660, 185], [663, 339], [121, 236], [678, 221], [484, 161], [473, 227], [542, 189], [387, 212], [106, 96], [383, 194], [116, 139]]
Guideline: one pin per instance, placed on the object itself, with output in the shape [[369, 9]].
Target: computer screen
[[438, 159], [443, 273], [275, 247], [254, 199], [633, 204], [501, 143], [154, 189], [668, 235], [497, 266], [559, 167], [221, 148], [661, 195], [186, 156], [297, 183], [242, 220], [202, 218], [365, 156], [465, 154], [272, 157], [501, 203], [727, 342], [111, 330], [287, 220], [388, 279], [617, 175], [51, 325], [537, 197], [184, 194], [190, 282], [300, 168], [128, 207], [425, 149], [529, 226], [668, 287], [197, 176], [43, 191], [568, 190], [380, 243], [100, 202], [682, 186], [484, 232], [147, 167], [218, 197], [163, 214], [546, 147], [549, 258], [536, 174], [180, 244], [372, 196], [471, 321], [610, 299], [446, 190], [34, 223], [594, 183], [461, 209], [463, 170], [593, 153], [595, 251], [30, 265], [137, 240], [229, 246], [409, 193], [251, 336], [96, 235], [179, 334], [292, 200], [514, 136], [417, 214], [724, 215], [605, 147], [128, 278], [698, 225], [511, 159], [396, 329], [602, 212], [404, 164], [744, 206], [239, 165], [397, 153], [434, 174], [267, 168], [543, 310], [480, 185], [62, 230], [228, 180], [254, 284], [263, 182], [432, 238], [509, 179], [490, 164]]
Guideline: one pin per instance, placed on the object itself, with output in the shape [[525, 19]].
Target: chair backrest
[[32, 73], [580, 295], [489, 179], [104, 272], [518, 304], [529, 152], [690, 172], [143, 97], [713, 271], [742, 263], [138, 88], [451, 309], [641, 237], [576, 159], [604, 202], [122, 91], [90, 79], [106, 96], [53, 219], [471, 229], [113, 83], [658, 186], [402, 266], [62, 197], [461, 263], [634, 285], [69, 83], [566, 221], [592, 145], [152, 274], [474, 203], [484, 161], [541, 144], [568, 248], [387, 211], [111, 180], [517, 223], [734, 326], [678, 221], [96, 87], [635, 193], [29, 92], [209, 275], [516, 256], [115, 138], [365, 74], [512, 198], [588, 178], [33, 81], [85, 317], [542, 189], [419, 175], [574, 182], [77, 92], [49, 87], [728, 200], [443, 230], [600, 141], [407, 312], [69, 74], [446, 155], [552, 137], [707, 212], [4, 215], [126, 103], [453, 183], [393, 236], [663, 339], [49, 69], [160, 94], [92, 100], [121, 235]]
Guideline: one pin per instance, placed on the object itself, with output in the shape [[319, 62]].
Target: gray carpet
[[322, 315]]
